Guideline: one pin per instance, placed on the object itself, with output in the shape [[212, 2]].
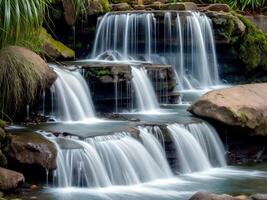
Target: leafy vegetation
[[247, 4], [20, 20], [253, 46]]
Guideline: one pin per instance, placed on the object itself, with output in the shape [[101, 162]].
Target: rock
[[120, 7], [156, 5], [217, 7], [10, 179], [2, 124], [210, 196], [3, 159], [258, 197], [242, 106], [228, 28], [182, 6], [259, 20], [53, 48], [69, 12], [32, 148], [242, 197], [2, 135]]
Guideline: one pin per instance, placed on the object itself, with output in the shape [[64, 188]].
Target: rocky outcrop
[[55, 49], [218, 7], [32, 148], [243, 106], [120, 7], [10, 179], [210, 196], [259, 20]]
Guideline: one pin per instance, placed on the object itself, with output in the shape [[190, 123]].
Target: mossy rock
[[253, 46], [2, 124], [53, 48]]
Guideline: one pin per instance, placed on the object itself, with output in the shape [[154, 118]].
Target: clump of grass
[[20, 19], [22, 74]]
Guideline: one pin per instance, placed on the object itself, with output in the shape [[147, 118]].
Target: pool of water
[[231, 180]]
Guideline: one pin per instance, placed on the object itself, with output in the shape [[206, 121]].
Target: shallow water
[[230, 180]]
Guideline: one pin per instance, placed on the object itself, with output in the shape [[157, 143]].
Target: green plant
[[247, 4], [21, 20], [20, 78]]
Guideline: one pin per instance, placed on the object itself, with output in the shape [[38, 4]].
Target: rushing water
[[144, 91], [73, 97], [198, 147], [182, 39], [111, 160], [121, 159]]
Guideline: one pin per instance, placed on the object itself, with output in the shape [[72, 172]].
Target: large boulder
[[54, 49], [10, 179], [243, 105], [32, 148], [210, 196]]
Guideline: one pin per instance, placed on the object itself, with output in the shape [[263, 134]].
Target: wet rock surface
[[32, 148], [10, 179], [210, 196]]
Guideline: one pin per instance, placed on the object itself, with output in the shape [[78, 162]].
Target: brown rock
[[32, 148], [182, 6], [10, 179], [69, 12], [120, 7], [243, 106], [210, 196], [218, 7], [53, 48]]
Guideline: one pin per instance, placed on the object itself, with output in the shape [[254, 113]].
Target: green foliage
[[253, 46], [247, 4], [20, 19]]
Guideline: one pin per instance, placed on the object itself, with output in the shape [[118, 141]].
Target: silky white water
[[144, 91], [117, 159], [198, 147], [181, 39], [73, 98]]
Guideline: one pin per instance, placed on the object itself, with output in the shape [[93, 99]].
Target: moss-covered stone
[[2, 124], [246, 42], [54, 48], [253, 46]]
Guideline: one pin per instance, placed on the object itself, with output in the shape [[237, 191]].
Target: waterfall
[[153, 145], [144, 91], [181, 39], [198, 147], [117, 159], [73, 97]]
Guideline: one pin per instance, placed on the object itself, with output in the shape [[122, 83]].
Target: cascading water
[[186, 43], [144, 92], [198, 147], [117, 159], [73, 97]]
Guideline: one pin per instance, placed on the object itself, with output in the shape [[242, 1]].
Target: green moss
[[253, 46], [101, 71], [60, 47], [105, 6], [2, 124]]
